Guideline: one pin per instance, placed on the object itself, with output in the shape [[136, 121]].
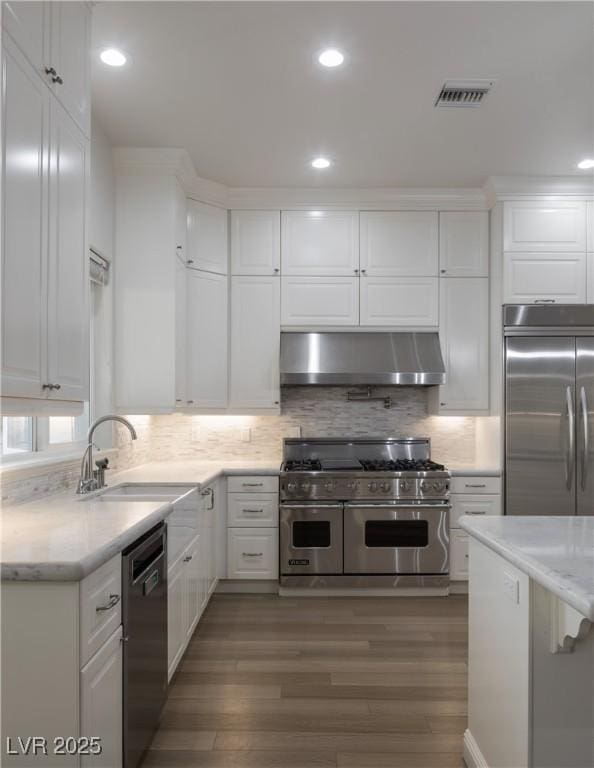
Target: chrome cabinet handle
[[252, 511], [475, 485], [569, 458], [113, 601], [544, 301], [189, 261], [363, 271], [209, 492], [252, 554], [586, 433], [51, 386], [475, 512], [356, 271], [252, 485], [188, 558], [276, 269]]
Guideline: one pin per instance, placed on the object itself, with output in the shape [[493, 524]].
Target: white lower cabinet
[[544, 278], [176, 610], [470, 495], [252, 509], [252, 553], [320, 301], [195, 576], [590, 269], [101, 707], [255, 342], [399, 301], [458, 555]]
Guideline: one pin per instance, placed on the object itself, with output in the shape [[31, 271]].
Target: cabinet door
[[475, 505], [399, 243], [69, 56], [255, 242], [176, 615], [207, 237], [252, 553], [590, 225], [213, 539], [68, 281], [320, 243], [255, 341], [24, 226], [535, 226], [464, 335], [28, 25], [399, 301], [181, 223], [101, 709], [458, 555], [207, 340], [464, 243], [544, 277], [320, 301], [194, 577], [180, 333], [590, 273], [247, 510]]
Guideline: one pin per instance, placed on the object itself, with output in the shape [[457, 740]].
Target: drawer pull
[[476, 512], [475, 485], [113, 601], [188, 558], [252, 485], [252, 554], [253, 511]]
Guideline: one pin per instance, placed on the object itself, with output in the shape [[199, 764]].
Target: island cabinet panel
[[399, 243], [322, 243], [499, 661]]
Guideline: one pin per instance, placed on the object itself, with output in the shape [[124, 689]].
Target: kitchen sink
[[139, 492]]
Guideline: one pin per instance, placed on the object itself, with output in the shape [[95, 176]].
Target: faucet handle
[[102, 463]]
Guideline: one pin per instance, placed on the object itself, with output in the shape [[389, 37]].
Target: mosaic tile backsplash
[[307, 411]]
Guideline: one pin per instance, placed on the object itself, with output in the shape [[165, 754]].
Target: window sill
[[33, 462]]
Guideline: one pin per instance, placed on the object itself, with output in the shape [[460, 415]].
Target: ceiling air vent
[[463, 93]]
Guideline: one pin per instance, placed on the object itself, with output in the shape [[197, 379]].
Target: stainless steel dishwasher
[[144, 591]]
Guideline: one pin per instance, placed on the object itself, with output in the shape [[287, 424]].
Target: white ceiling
[[239, 87]]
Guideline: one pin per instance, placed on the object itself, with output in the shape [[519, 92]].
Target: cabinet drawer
[[319, 301], [400, 301], [253, 484], [252, 510], [544, 277], [458, 556], [469, 504], [252, 553], [536, 226], [100, 606], [475, 485]]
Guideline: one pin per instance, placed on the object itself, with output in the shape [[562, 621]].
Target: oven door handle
[[309, 505], [398, 505]]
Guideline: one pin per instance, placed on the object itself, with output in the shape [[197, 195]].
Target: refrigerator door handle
[[586, 435], [570, 457]]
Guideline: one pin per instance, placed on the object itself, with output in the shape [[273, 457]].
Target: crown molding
[[498, 188], [359, 199]]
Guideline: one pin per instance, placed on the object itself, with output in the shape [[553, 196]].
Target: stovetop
[[353, 469]]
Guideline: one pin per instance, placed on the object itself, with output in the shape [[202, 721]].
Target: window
[[27, 436]]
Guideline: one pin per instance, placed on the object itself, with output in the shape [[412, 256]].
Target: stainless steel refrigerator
[[549, 409]]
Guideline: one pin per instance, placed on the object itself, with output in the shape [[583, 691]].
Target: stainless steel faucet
[[94, 479]]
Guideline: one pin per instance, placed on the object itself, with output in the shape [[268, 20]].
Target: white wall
[[101, 214]]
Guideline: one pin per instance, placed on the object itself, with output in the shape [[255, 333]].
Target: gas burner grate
[[302, 465], [401, 465]]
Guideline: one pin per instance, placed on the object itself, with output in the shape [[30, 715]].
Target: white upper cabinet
[[399, 243], [69, 57], [590, 225], [68, 285], [320, 243], [399, 301], [207, 237], [464, 336], [28, 25], [181, 280], [544, 277], [24, 225], [206, 340], [535, 226], [320, 301], [181, 218], [255, 242], [464, 244], [255, 341]]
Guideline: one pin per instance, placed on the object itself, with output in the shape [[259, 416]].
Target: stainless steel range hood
[[374, 358]]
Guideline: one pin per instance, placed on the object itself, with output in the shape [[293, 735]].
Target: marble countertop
[[65, 537], [557, 552]]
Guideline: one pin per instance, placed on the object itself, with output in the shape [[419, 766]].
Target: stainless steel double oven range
[[363, 512]]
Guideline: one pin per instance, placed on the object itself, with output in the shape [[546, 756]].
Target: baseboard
[[458, 587], [473, 757], [363, 592], [246, 587]]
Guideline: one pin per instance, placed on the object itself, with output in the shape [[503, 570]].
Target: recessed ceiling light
[[331, 58], [112, 57], [320, 162], [586, 164]]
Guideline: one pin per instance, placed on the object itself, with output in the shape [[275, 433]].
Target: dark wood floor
[[271, 682]]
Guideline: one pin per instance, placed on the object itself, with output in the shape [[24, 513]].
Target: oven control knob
[[328, 485], [372, 486], [425, 486], [291, 487], [404, 485], [386, 487]]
